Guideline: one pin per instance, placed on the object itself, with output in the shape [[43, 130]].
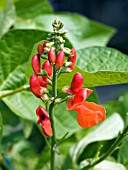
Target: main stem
[[51, 109], [110, 151]]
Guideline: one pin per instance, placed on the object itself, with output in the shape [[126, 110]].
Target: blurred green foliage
[[23, 25]]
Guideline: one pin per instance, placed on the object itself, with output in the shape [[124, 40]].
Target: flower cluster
[[89, 113], [58, 59], [63, 60]]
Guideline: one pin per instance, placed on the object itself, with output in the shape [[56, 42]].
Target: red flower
[[36, 63], [35, 85], [73, 60], [44, 119], [47, 67], [60, 59], [80, 97], [89, 114], [51, 56]]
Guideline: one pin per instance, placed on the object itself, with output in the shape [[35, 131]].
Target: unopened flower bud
[[73, 60], [45, 97], [36, 63], [46, 66], [42, 82], [60, 59], [77, 82], [40, 49], [35, 85], [51, 56]]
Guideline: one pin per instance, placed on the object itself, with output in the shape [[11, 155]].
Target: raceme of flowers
[[89, 113]]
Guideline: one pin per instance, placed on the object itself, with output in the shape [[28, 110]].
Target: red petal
[[60, 59], [35, 85], [46, 128], [42, 82], [89, 114], [36, 63], [73, 60], [40, 49], [47, 67], [82, 95], [51, 56], [77, 82]]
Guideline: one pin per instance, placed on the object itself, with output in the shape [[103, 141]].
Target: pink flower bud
[[40, 49], [35, 85], [47, 67], [51, 56], [73, 60], [36, 63], [60, 59], [77, 82], [44, 119]]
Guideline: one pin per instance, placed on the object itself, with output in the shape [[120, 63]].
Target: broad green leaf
[[27, 127], [15, 48], [99, 66], [24, 105], [123, 152], [111, 126], [94, 59], [23, 155], [81, 31], [106, 165], [8, 116], [8, 18], [31, 8], [65, 121], [1, 127]]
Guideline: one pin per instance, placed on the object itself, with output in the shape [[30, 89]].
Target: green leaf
[[111, 126], [107, 165], [99, 66], [8, 116], [8, 18], [81, 31], [65, 121], [31, 8], [94, 59], [123, 152], [1, 127], [27, 127], [15, 48]]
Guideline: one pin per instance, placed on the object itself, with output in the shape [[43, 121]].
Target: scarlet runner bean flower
[[44, 119], [89, 113]]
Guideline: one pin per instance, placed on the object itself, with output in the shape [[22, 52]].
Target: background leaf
[[100, 66], [110, 126], [1, 127], [81, 31], [107, 165], [31, 8], [7, 18]]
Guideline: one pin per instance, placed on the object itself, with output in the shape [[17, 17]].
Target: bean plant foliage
[[23, 26]]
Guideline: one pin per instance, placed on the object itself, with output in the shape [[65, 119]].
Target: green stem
[[110, 150], [51, 107], [10, 92]]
